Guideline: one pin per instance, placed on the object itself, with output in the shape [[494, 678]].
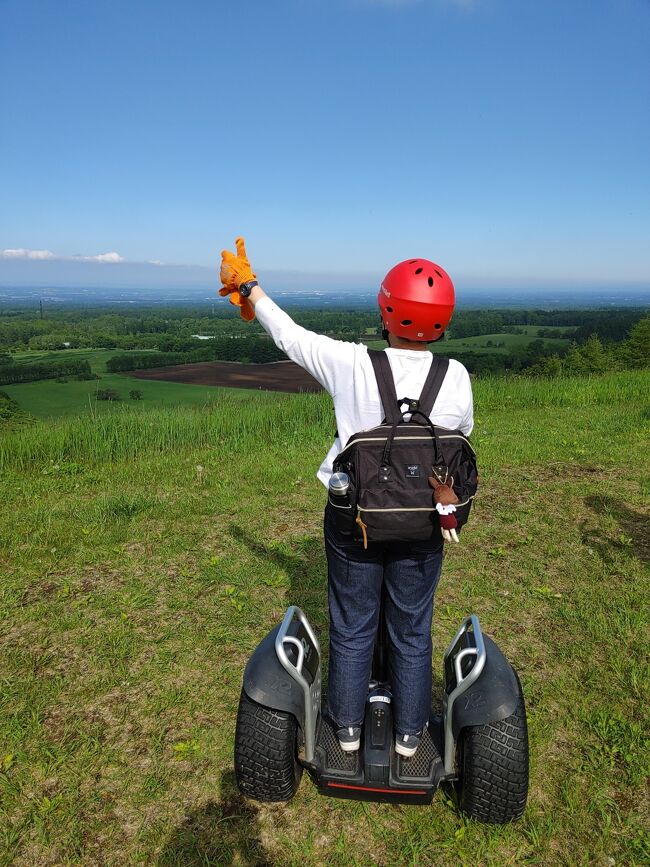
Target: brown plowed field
[[276, 376]]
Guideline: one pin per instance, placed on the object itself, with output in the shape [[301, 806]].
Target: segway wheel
[[266, 752], [493, 765]]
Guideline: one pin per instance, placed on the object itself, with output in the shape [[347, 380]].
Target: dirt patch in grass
[[276, 376]]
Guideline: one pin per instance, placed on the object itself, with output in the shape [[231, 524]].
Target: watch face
[[245, 288]]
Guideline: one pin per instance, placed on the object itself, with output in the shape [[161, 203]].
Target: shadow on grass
[[635, 529], [306, 568], [223, 832]]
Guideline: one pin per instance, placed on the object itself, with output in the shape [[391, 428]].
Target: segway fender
[[492, 697], [268, 683]]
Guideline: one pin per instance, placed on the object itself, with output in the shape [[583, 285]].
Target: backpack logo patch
[[413, 471]]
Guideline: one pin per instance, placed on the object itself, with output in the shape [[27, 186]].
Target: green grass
[[503, 343], [144, 554], [50, 399], [97, 358]]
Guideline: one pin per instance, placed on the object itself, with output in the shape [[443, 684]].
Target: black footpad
[[419, 766], [335, 758]]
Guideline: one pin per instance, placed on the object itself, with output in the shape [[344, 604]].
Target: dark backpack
[[390, 498]]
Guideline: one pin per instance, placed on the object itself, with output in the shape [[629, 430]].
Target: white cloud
[[22, 253], [103, 257]]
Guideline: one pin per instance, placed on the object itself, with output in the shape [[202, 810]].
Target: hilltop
[[145, 552]]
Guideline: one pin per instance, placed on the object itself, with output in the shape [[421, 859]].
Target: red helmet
[[417, 300]]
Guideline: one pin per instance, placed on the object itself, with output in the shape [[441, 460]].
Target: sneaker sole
[[350, 747], [407, 752]]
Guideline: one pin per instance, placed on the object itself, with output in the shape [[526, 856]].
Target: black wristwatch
[[245, 288]]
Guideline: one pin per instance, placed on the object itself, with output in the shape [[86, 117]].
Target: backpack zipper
[[410, 439]]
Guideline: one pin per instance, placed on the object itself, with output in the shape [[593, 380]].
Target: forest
[[535, 342]]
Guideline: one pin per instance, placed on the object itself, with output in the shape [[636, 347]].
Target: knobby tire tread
[[266, 742], [493, 785]]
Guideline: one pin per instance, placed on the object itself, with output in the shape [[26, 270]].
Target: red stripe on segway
[[372, 789]]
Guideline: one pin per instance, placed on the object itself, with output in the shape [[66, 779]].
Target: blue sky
[[507, 139]]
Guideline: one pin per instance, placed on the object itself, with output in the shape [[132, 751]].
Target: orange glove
[[246, 309], [236, 270]]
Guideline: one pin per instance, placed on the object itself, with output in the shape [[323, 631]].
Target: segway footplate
[[376, 772], [333, 759], [419, 768]]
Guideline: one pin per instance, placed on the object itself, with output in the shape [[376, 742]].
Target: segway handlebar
[[469, 626], [311, 692]]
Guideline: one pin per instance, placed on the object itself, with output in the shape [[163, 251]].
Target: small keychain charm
[[445, 500]]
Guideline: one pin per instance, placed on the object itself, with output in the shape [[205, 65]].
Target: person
[[416, 301]]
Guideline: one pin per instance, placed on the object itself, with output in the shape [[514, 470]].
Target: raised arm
[[329, 361]]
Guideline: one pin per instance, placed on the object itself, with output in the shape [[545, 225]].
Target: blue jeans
[[410, 572]]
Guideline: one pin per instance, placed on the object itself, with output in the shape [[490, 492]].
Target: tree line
[[166, 329], [600, 339], [536, 359], [171, 329], [593, 356], [13, 373], [257, 350]]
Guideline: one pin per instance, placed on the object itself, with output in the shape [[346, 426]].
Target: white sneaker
[[406, 745], [349, 738]]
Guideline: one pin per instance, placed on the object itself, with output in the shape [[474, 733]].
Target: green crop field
[[97, 358], [50, 399], [502, 342], [145, 552]]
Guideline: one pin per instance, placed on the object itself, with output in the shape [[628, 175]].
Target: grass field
[[501, 342], [504, 342], [50, 399], [144, 554], [97, 358]]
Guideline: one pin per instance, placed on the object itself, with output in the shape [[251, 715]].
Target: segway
[[478, 745]]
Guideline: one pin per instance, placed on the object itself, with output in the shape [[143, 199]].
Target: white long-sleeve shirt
[[346, 372]]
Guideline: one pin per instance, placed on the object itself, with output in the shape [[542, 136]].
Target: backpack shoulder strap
[[433, 384], [386, 384]]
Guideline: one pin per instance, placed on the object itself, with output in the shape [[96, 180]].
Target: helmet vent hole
[[438, 273], [437, 326], [430, 281], [418, 270], [413, 261], [389, 309], [407, 322]]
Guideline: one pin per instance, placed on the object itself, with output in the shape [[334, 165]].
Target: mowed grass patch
[[134, 589], [501, 342], [96, 358], [48, 399]]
